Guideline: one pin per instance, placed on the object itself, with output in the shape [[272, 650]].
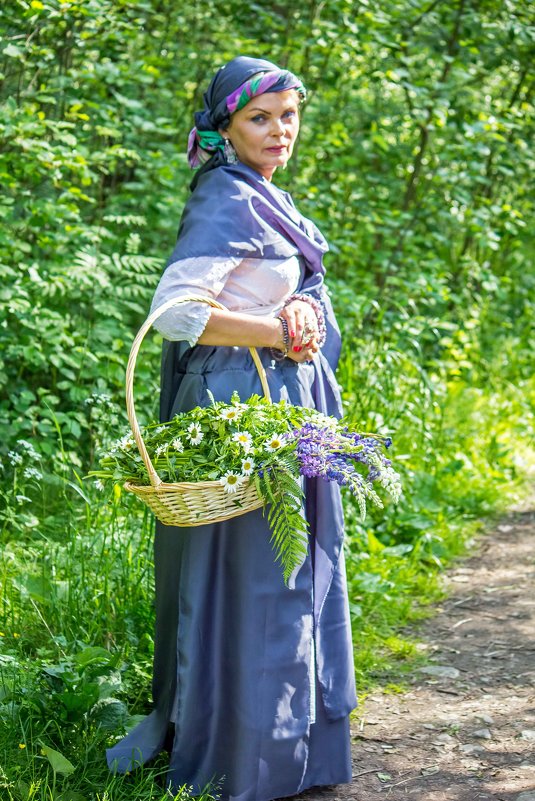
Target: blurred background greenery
[[415, 159]]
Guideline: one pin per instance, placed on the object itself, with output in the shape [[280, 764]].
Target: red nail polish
[[292, 333], [297, 350]]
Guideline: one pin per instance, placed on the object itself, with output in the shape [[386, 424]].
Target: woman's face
[[264, 131]]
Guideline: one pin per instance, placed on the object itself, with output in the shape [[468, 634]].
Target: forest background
[[415, 159]]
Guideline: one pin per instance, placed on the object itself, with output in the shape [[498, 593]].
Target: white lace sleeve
[[199, 276]]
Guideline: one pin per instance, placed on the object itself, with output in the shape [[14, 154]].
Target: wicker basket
[[186, 503]]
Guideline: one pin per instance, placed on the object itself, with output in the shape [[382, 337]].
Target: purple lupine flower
[[373, 474], [341, 472], [332, 454]]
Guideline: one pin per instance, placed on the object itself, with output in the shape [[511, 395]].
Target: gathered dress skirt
[[254, 677]]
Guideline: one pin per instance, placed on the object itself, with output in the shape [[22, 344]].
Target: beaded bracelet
[[317, 305], [277, 354]]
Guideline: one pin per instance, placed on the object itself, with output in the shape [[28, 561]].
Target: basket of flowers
[[226, 459]]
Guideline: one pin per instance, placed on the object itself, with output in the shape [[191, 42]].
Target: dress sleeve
[[197, 276]]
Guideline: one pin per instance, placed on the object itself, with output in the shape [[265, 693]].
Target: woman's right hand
[[303, 329], [299, 354], [302, 325]]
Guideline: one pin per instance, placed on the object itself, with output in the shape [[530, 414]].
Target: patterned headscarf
[[230, 90]]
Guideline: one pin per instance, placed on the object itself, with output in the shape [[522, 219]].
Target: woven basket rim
[[184, 485]]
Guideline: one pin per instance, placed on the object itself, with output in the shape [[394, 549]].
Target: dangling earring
[[229, 152]]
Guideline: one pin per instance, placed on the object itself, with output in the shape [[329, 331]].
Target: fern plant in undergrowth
[[273, 445]]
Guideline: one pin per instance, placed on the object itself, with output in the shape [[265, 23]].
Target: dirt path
[[465, 731]]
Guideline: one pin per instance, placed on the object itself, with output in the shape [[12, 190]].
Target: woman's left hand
[[305, 354], [302, 329]]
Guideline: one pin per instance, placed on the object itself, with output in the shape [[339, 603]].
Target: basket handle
[[154, 478]]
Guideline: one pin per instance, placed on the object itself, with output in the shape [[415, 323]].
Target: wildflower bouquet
[[271, 444]]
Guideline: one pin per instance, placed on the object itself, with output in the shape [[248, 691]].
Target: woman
[[255, 678]]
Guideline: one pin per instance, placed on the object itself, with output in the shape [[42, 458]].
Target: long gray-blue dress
[[256, 677]]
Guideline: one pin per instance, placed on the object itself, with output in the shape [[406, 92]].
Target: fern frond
[[283, 495]]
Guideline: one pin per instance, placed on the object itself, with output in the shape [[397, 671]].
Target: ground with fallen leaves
[[465, 730]]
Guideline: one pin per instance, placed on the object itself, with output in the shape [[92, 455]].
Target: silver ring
[[306, 336]]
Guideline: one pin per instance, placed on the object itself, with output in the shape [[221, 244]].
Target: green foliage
[[282, 492], [415, 159], [73, 617]]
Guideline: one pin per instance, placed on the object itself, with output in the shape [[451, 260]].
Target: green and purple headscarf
[[230, 90]]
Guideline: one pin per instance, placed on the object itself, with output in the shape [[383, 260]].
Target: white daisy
[[160, 449], [195, 434], [244, 439], [247, 466], [177, 445], [231, 481], [126, 442], [276, 442], [230, 413]]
